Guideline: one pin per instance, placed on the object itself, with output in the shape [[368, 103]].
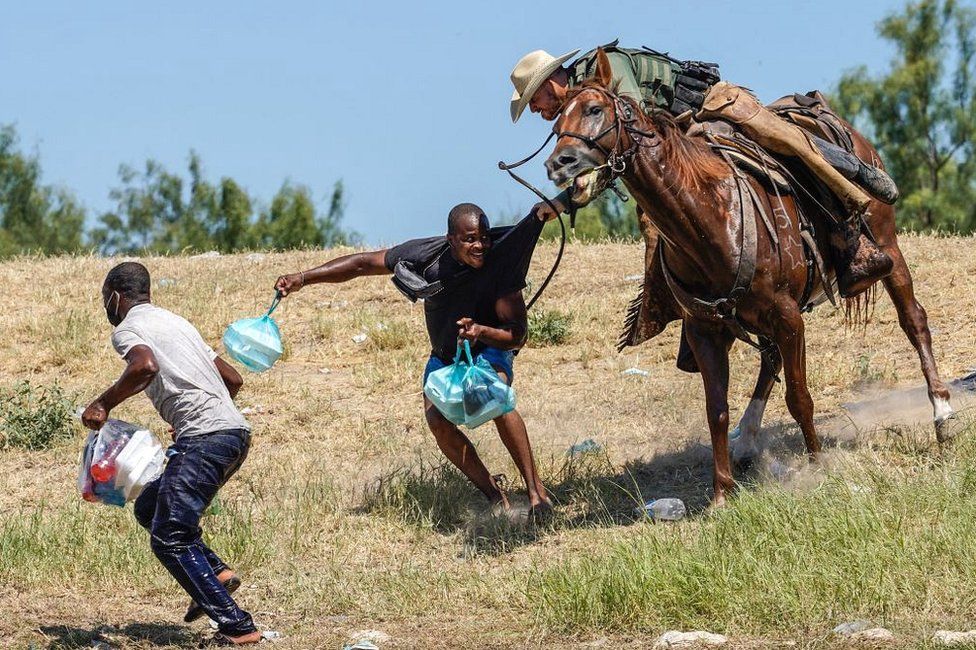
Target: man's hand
[[95, 415], [468, 330], [544, 213], [290, 283]]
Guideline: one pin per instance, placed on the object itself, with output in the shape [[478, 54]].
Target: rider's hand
[[468, 330], [544, 213], [290, 283], [94, 416]]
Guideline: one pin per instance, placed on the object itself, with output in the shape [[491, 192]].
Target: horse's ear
[[603, 75]]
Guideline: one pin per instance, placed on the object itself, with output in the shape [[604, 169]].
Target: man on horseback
[[691, 90]]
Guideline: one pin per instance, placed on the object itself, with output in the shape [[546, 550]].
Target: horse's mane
[[694, 164]]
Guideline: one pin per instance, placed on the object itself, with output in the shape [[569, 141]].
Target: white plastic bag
[[118, 462]]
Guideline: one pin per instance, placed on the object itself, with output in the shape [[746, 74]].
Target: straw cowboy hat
[[529, 73]]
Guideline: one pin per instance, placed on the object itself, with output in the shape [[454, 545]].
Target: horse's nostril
[[566, 159]]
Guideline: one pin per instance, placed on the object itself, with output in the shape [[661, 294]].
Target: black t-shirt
[[468, 292]]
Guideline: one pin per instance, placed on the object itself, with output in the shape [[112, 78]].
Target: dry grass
[[344, 518]]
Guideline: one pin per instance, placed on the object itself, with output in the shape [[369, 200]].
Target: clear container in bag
[[117, 462]]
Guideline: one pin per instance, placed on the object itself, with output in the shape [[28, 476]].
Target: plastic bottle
[[104, 469], [665, 509]]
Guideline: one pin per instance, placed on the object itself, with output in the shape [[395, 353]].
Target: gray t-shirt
[[188, 391]]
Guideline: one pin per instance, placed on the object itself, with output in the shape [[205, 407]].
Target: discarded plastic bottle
[[665, 509], [104, 470]]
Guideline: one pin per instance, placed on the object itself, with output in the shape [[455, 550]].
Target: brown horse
[[697, 202]]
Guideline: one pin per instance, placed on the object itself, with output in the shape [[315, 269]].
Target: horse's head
[[592, 135]]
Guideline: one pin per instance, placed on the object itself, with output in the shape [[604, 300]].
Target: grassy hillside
[[344, 518]]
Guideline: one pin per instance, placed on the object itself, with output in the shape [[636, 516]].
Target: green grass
[[874, 540], [35, 417], [548, 328]]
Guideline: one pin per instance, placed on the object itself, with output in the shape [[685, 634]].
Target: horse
[[697, 200]]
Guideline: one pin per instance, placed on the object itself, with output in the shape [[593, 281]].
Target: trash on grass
[[669, 509], [587, 446], [635, 371]]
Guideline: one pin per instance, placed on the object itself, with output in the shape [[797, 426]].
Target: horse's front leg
[[710, 344], [788, 332]]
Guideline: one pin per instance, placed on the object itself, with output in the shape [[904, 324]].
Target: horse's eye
[[594, 110]]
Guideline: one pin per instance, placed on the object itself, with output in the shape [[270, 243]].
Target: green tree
[[158, 211], [921, 113], [231, 222], [34, 217], [292, 221], [149, 211]]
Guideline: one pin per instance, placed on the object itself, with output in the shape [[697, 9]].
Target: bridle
[[616, 163], [624, 118]]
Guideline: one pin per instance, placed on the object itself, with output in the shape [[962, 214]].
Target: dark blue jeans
[[170, 509]]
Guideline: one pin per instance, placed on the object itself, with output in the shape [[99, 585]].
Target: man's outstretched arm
[[140, 369], [340, 269]]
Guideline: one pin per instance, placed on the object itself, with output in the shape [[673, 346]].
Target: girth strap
[[724, 309]]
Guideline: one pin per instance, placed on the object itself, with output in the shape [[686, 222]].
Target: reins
[[508, 167], [616, 162]]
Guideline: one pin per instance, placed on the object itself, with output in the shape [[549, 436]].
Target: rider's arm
[[513, 332], [623, 75], [340, 269]]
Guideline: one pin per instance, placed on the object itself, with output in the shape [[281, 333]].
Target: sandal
[[194, 611]]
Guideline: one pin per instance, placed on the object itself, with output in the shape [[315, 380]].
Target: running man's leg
[[194, 474], [458, 449]]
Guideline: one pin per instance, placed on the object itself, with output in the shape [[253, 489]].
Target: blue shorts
[[500, 360]]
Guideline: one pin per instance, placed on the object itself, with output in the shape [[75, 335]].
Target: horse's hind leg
[[915, 323], [744, 438], [790, 338]]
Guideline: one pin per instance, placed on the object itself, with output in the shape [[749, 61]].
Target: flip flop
[[194, 611]]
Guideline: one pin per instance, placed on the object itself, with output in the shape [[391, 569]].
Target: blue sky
[[406, 102]]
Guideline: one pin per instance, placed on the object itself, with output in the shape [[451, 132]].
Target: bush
[[34, 417], [548, 328]]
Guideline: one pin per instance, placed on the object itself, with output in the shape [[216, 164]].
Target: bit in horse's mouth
[[587, 185]]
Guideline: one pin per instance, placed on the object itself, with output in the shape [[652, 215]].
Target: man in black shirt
[[471, 282]]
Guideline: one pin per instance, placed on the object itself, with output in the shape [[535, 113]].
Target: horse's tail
[[859, 309]]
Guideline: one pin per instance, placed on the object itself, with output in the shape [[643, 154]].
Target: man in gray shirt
[[193, 390]]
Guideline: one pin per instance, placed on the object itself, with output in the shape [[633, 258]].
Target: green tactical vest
[[646, 77]]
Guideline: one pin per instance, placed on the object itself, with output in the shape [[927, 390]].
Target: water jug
[[255, 342]]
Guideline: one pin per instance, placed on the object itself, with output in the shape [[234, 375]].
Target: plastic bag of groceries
[[117, 462], [444, 387], [486, 396], [255, 342], [469, 392]]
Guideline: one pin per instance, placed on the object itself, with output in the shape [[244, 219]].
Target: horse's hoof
[[947, 428], [746, 462]]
